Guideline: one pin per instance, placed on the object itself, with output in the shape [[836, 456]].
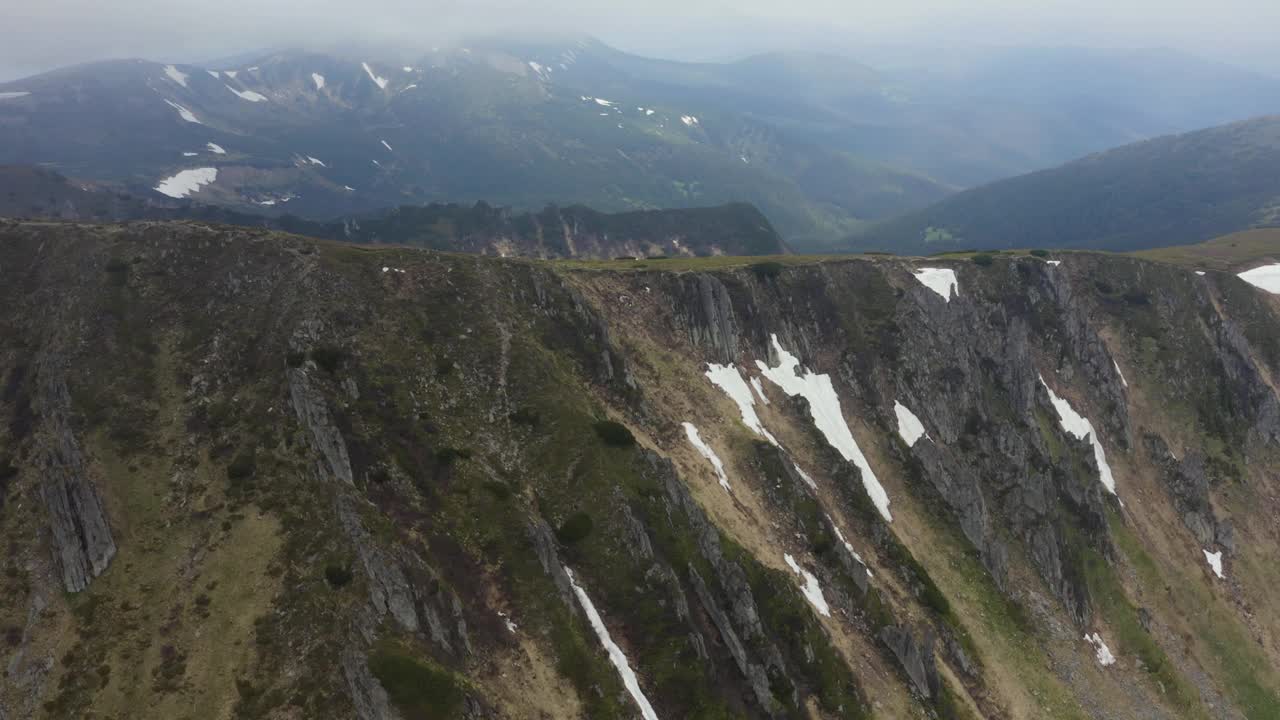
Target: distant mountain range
[[553, 232], [1173, 190], [821, 144]]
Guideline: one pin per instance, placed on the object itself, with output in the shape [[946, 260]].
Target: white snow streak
[[759, 388], [1079, 426], [189, 154], [176, 75], [214, 74], [616, 656], [184, 113], [187, 182], [824, 407], [1121, 374], [909, 426], [705, 451], [318, 79], [406, 68], [811, 590], [728, 379], [215, 149], [315, 161], [849, 547], [1200, 273], [13, 95], [380, 81], [1266, 277], [805, 477], [385, 145], [939, 280], [604, 103], [1215, 562], [231, 73], [689, 120], [249, 95], [1054, 263], [1103, 653]]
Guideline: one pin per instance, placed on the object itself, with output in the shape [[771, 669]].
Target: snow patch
[[811, 590], [824, 407], [1266, 277], [409, 87], [215, 149], [805, 476], [604, 103], [385, 145], [616, 656], [689, 120], [909, 426], [1215, 562], [189, 154], [249, 95], [214, 74], [318, 79], [1054, 263], [1200, 273], [315, 161], [186, 182], [759, 388], [1103, 652], [406, 68], [728, 379], [848, 546], [13, 95], [939, 280], [184, 113], [705, 451], [511, 626], [1079, 426], [349, 188], [1121, 374], [176, 75], [381, 82], [231, 73]]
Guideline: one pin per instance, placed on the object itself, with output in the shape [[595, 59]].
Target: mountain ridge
[[389, 482]]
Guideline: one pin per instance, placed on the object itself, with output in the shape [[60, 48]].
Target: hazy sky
[[36, 35]]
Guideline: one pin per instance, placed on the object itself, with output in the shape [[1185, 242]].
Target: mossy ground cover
[[1230, 655]]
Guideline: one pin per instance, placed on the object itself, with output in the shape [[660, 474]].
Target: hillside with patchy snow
[[277, 477]]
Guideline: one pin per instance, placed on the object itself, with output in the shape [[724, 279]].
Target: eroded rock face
[[915, 658], [82, 540]]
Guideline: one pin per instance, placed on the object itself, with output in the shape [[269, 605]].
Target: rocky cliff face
[[254, 475]]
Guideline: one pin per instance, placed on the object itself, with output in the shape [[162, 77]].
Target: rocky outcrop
[[1187, 482], [915, 659], [313, 412], [544, 545], [736, 617], [82, 542], [367, 695], [710, 320]]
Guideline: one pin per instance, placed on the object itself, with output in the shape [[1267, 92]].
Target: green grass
[[420, 690], [1233, 657], [1229, 253]]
